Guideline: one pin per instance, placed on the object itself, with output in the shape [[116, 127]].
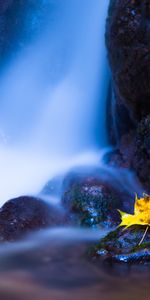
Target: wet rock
[[123, 246], [134, 153], [128, 43], [123, 155], [90, 200], [119, 122], [25, 214], [141, 158]]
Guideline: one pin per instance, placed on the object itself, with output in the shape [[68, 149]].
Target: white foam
[[49, 120]]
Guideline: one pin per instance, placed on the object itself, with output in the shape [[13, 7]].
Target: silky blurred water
[[53, 92], [53, 265], [53, 85]]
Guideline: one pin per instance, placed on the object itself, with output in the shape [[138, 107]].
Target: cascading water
[[53, 89], [53, 95]]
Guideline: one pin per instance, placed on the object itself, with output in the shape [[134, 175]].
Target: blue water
[[53, 84]]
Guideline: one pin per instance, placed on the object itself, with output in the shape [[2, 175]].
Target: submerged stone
[[25, 214]]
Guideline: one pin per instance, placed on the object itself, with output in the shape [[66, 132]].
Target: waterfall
[[53, 95]]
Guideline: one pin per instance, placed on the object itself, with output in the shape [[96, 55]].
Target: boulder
[[128, 44], [91, 199], [141, 158], [133, 153], [123, 246], [25, 214]]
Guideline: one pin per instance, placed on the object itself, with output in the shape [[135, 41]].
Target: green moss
[[121, 241]]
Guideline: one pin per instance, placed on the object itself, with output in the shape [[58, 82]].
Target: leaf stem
[[143, 237]]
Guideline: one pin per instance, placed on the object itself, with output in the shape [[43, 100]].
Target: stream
[[54, 83]]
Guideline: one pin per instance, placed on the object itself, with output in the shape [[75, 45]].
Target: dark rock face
[[22, 215], [123, 246], [141, 158], [123, 155], [91, 201], [134, 152], [128, 43]]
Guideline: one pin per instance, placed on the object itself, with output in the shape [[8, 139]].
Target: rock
[[134, 153], [123, 246], [91, 200], [141, 158], [123, 155], [25, 214], [119, 123], [128, 43]]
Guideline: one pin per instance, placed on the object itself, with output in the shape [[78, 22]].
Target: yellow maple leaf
[[141, 214]]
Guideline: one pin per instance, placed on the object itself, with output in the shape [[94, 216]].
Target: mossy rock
[[92, 200], [123, 246]]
